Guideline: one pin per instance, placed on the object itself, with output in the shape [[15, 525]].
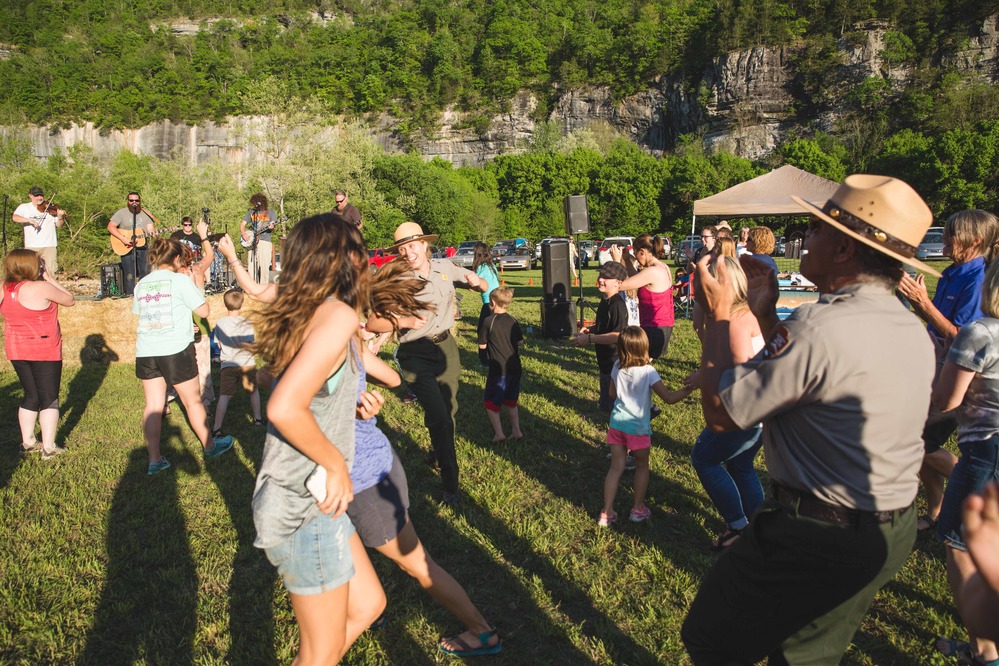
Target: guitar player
[[255, 230], [121, 225]]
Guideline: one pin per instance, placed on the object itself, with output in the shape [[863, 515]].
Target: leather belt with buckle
[[439, 338], [803, 504]]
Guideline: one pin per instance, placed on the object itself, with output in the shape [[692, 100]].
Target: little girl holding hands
[[634, 380]]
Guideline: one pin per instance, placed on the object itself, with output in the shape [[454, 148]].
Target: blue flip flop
[[467, 650]]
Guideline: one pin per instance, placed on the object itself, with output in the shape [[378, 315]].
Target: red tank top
[[655, 308], [29, 335]]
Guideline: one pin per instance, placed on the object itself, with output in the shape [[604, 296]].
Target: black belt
[[439, 338], [804, 504]]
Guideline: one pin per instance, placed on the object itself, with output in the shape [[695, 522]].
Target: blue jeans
[[724, 464], [977, 466]]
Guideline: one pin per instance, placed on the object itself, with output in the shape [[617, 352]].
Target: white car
[[623, 242]]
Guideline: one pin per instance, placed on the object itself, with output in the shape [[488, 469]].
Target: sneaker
[[34, 447], [157, 467], [629, 462], [409, 398], [639, 515], [219, 446], [606, 519], [48, 455], [452, 500]]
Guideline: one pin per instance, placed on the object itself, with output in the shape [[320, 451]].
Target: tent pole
[[690, 295]]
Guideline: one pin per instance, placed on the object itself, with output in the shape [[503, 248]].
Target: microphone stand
[[135, 250], [5, 197], [253, 247]]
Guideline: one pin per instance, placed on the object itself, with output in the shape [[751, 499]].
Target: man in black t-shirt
[[188, 236], [612, 318]]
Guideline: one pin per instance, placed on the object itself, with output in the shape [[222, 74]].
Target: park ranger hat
[[880, 211], [410, 231]]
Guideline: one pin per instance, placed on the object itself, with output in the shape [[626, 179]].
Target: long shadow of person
[[95, 358], [251, 585], [148, 606], [10, 434]]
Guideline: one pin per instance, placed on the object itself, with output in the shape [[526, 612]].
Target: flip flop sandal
[[466, 650], [727, 538]]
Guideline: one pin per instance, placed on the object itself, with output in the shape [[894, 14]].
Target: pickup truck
[[378, 257]]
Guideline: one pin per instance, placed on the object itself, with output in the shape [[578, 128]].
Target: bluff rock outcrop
[[744, 103]]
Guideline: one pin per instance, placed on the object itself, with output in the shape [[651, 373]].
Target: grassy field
[[100, 564]]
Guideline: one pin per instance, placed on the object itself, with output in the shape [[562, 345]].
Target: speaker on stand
[[577, 221]]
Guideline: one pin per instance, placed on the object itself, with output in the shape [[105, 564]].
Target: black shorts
[[175, 368], [40, 380], [658, 339], [380, 512], [938, 429]]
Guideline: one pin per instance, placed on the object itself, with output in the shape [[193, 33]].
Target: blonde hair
[[501, 296], [633, 347], [990, 292], [967, 226], [725, 247], [737, 280]]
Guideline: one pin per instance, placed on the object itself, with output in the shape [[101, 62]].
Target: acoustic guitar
[[121, 249]]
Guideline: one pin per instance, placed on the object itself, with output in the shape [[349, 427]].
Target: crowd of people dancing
[[851, 399]]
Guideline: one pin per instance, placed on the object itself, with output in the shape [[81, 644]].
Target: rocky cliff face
[[743, 103]]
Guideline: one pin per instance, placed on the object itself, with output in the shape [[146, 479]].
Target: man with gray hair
[[842, 388]]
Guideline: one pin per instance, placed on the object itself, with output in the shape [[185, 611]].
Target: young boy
[[612, 318], [500, 337], [232, 333]]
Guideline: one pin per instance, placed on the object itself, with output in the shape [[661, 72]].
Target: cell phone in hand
[[41, 269], [316, 483]]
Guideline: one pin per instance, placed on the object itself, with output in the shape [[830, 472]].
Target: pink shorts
[[633, 442]]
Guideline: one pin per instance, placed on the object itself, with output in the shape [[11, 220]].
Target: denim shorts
[[316, 558], [977, 466]]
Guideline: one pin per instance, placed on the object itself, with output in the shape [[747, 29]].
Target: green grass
[[101, 564]]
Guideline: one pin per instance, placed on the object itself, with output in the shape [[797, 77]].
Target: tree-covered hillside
[[118, 63]]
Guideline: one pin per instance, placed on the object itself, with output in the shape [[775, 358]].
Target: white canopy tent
[[766, 195]]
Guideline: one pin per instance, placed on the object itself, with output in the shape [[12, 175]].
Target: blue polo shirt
[[959, 293]]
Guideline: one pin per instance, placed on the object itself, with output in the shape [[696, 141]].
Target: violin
[[50, 208]]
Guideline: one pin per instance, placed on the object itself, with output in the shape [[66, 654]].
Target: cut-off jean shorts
[[977, 466], [316, 557]]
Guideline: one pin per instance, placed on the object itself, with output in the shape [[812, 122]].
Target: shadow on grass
[[95, 359], [148, 607], [251, 584], [500, 595]]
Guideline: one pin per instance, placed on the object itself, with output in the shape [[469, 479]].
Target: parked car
[[465, 256], [691, 243], [623, 242], [501, 247], [521, 257], [589, 249], [931, 247], [780, 245], [378, 257], [436, 252]]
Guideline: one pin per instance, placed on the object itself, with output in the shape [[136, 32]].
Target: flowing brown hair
[[394, 292], [323, 257], [164, 251], [21, 266]]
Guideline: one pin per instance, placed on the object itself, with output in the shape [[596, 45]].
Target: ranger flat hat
[[882, 212], [410, 231]]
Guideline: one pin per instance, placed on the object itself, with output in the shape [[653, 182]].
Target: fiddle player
[[40, 226], [132, 217], [258, 223]]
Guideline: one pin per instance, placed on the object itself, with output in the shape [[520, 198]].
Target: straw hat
[[410, 231], [882, 212]]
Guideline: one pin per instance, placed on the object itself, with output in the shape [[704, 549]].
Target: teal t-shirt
[[492, 280], [164, 301]]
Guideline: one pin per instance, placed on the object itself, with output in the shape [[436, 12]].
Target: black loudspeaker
[[558, 320], [555, 271], [577, 217], [112, 282]]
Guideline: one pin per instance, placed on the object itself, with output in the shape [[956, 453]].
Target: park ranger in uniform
[[842, 388]]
